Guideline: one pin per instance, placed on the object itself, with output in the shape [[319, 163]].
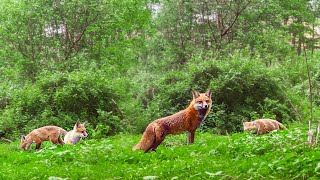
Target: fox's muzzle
[[204, 106], [85, 134], [201, 107]]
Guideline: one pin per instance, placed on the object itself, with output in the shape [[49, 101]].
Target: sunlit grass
[[280, 155]]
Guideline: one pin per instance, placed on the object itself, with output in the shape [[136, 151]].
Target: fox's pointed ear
[[77, 124], [208, 93], [86, 122], [195, 94], [23, 138]]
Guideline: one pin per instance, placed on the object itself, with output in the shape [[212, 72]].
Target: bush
[[61, 99], [243, 89]]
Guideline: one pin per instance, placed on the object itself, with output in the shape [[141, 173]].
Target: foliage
[[121, 64], [239, 156], [63, 98], [243, 89], [66, 60]]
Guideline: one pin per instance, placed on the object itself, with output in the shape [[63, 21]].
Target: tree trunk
[[310, 133], [317, 136]]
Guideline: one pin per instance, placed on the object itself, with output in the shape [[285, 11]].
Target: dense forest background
[[121, 64]]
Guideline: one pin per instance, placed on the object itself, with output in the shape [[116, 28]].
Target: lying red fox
[[263, 126], [46, 133]]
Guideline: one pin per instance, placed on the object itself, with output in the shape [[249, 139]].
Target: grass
[[280, 155]]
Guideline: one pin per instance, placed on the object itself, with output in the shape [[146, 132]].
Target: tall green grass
[[279, 155]]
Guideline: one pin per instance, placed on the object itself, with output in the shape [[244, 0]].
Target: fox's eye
[[200, 102]]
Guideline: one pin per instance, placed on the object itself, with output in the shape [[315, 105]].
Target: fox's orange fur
[[186, 120], [263, 126], [46, 133]]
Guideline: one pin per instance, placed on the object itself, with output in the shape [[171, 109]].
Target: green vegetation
[[121, 64], [280, 155]]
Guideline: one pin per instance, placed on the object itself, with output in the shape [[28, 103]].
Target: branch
[[6, 140], [235, 19], [209, 24], [79, 37], [120, 111]]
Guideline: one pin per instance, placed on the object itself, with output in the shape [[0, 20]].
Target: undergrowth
[[279, 155]]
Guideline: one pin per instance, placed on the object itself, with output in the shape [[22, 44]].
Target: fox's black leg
[[157, 143], [37, 142], [159, 137], [191, 137], [255, 132], [54, 141], [148, 149], [38, 145], [60, 141]]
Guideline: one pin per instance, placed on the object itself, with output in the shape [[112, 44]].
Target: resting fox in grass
[[186, 120], [46, 133], [263, 126], [74, 136]]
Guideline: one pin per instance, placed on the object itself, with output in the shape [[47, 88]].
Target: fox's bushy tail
[[147, 140]]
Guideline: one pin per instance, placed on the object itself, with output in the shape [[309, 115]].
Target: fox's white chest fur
[[78, 133], [72, 137]]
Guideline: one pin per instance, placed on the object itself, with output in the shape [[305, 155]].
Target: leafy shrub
[[221, 122], [62, 99], [243, 89]]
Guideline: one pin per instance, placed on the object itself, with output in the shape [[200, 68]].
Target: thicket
[[121, 64]]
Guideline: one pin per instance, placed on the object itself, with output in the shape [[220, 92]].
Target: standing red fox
[[46, 133], [186, 120], [263, 126]]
